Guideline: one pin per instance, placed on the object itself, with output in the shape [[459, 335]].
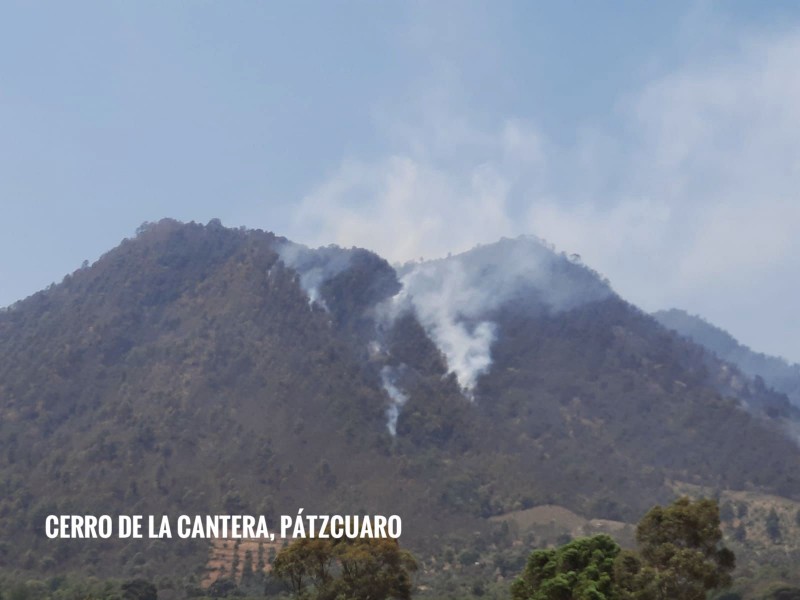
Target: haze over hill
[[199, 369], [777, 372]]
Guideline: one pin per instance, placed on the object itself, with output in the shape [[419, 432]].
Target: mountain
[[774, 371], [203, 370]]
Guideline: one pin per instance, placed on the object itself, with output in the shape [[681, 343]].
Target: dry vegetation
[[186, 372]]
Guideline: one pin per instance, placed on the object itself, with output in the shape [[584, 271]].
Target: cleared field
[[550, 521]]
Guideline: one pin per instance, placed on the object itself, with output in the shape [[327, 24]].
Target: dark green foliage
[[468, 556], [773, 526], [680, 554], [223, 588], [139, 589], [785, 593], [68, 588], [742, 510], [740, 533], [580, 570]]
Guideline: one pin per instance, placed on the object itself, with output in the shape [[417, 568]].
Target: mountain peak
[[199, 369]]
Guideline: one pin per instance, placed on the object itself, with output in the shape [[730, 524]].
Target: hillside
[[199, 369], [774, 371]]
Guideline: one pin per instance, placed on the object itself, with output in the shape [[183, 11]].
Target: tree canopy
[[362, 569], [581, 570], [680, 555]]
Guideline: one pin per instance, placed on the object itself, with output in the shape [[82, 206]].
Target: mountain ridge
[[190, 370], [777, 372]]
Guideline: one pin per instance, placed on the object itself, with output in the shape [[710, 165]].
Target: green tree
[[740, 533], [680, 554], [773, 526], [306, 562], [363, 569], [139, 589], [374, 569], [581, 570]]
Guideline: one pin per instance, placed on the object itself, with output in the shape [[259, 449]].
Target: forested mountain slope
[[199, 369], [775, 371]]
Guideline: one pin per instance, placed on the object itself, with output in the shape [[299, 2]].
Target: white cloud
[[707, 212], [693, 202], [426, 202]]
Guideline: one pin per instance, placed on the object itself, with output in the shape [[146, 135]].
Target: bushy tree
[[304, 563], [581, 570], [139, 589], [363, 569], [680, 554], [773, 526], [371, 569]]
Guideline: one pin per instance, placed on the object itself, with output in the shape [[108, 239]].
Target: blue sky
[[661, 141]]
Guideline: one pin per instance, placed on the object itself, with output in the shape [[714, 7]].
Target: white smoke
[[444, 299], [453, 298], [396, 395], [314, 267]]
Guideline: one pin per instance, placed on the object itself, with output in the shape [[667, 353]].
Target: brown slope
[[184, 372], [616, 406]]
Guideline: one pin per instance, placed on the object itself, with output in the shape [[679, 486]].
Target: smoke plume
[[314, 267], [396, 395], [454, 298]]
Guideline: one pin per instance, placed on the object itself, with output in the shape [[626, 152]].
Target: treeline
[[64, 588], [680, 555]]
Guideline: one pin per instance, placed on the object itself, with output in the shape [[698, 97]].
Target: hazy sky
[[661, 141]]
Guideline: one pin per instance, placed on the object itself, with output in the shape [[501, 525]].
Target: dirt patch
[[552, 521], [548, 514]]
